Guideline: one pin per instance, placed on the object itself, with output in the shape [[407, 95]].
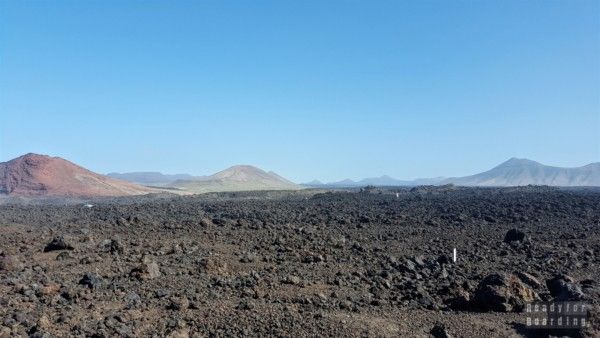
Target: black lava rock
[[91, 280], [439, 331], [564, 288], [503, 293], [514, 235], [59, 243]]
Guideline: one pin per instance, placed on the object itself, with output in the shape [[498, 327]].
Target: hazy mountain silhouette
[[152, 178], [313, 183], [381, 181], [515, 172], [237, 178]]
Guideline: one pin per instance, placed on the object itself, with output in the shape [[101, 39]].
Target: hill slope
[[515, 172], [42, 175], [237, 178]]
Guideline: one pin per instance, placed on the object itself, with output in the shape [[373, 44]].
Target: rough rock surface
[[504, 293], [297, 264], [11, 263], [148, 269], [564, 288]]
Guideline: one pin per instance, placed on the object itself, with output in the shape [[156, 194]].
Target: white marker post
[[454, 255]]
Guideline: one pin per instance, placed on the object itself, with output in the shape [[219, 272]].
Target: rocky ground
[[373, 262]]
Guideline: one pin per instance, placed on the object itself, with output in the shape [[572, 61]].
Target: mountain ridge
[[42, 175], [512, 172], [237, 178], [520, 171], [153, 178], [381, 181]]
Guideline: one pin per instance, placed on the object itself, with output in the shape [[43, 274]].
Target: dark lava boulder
[[503, 293], [91, 280], [564, 288], [439, 331], [59, 243], [514, 235]]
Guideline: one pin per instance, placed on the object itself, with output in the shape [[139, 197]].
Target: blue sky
[[309, 89]]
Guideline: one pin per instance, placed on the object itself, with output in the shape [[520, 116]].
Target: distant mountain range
[[41, 175], [153, 178], [514, 172], [374, 181], [237, 178]]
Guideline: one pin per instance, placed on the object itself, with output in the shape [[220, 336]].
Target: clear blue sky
[[309, 89]]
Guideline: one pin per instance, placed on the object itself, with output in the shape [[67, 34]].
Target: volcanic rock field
[[348, 263]]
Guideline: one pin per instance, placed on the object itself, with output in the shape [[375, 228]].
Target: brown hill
[[42, 175], [237, 178]]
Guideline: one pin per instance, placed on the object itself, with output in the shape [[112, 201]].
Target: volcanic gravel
[[368, 262]]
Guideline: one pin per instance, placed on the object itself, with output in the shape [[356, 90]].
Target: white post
[[454, 255]]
